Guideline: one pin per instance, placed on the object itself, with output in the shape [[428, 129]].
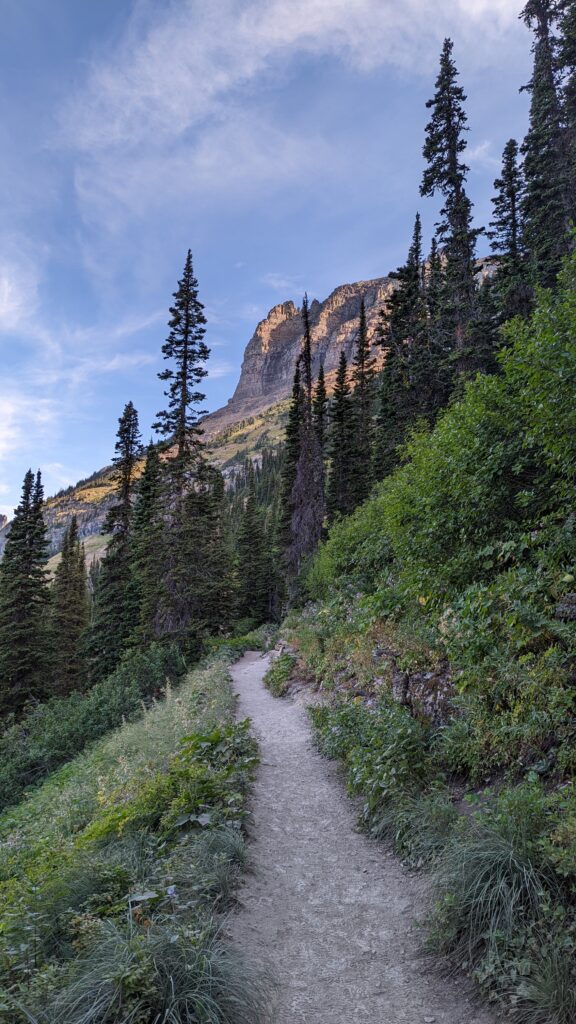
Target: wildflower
[[171, 891]]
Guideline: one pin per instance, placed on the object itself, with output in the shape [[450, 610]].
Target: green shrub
[[115, 867], [58, 730], [277, 677]]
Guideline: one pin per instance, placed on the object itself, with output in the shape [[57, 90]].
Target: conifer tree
[[114, 615], [545, 203], [146, 550], [25, 650], [413, 375], [339, 496], [511, 287], [362, 401], [566, 63], [446, 174], [319, 408], [290, 461], [186, 349], [253, 560], [69, 614], [307, 497]]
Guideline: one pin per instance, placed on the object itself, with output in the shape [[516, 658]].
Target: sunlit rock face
[[271, 354]]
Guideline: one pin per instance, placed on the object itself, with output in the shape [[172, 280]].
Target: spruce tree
[[363, 376], [290, 461], [69, 614], [307, 499], [566, 64], [412, 380], [339, 495], [253, 560], [114, 614], [25, 649], [319, 408], [511, 286], [186, 350], [146, 550], [545, 204], [446, 174]]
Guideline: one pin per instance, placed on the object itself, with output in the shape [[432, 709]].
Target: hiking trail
[[330, 912]]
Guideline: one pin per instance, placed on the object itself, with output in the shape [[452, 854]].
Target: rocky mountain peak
[[271, 354]]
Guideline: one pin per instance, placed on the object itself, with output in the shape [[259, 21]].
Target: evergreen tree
[[339, 496], [186, 349], [290, 462], [197, 593], [69, 614], [446, 173], [146, 550], [253, 560], [307, 499], [319, 408], [114, 614], [411, 381], [362, 402], [566, 63], [25, 650], [511, 287], [545, 203]]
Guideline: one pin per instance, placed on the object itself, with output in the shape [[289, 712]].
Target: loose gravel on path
[[326, 909]]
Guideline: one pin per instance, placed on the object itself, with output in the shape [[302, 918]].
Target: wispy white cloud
[[177, 110], [220, 368], [483, 156], [24, 417], [282, 282]]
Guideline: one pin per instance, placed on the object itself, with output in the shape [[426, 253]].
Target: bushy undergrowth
[[111, 873], [278, 675], [58, 730], [459, 575], [504, 873]]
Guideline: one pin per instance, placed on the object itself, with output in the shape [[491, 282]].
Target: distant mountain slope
[[255, 416]]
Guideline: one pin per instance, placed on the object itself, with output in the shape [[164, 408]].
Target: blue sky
[[279, 139]]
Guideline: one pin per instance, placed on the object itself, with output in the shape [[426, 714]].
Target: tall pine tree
[[186, 350], [307, 497], [363, 376], [147, 550], [70, 614], [511, 286], [253, 560], [446, 174], [114, 614], [339, 494], [25, 649], [545, 204]]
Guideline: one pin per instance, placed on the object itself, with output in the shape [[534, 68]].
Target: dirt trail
[[328, 910]]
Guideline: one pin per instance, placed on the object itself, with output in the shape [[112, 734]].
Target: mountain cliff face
[[271, 354], [244, 424]]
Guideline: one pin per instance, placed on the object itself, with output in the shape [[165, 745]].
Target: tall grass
[[112, 872]]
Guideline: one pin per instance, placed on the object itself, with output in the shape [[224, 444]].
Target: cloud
[[282, 282], [218, 369], [483, 156], [24, 416], [178, 109]]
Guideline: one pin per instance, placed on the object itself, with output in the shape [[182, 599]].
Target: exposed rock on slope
[[271, 354]]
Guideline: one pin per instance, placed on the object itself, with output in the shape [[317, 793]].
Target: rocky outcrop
[[271, 354]]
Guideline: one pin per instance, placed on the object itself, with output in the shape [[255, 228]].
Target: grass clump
[[278, 676], [56, 731], [113, 872]]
